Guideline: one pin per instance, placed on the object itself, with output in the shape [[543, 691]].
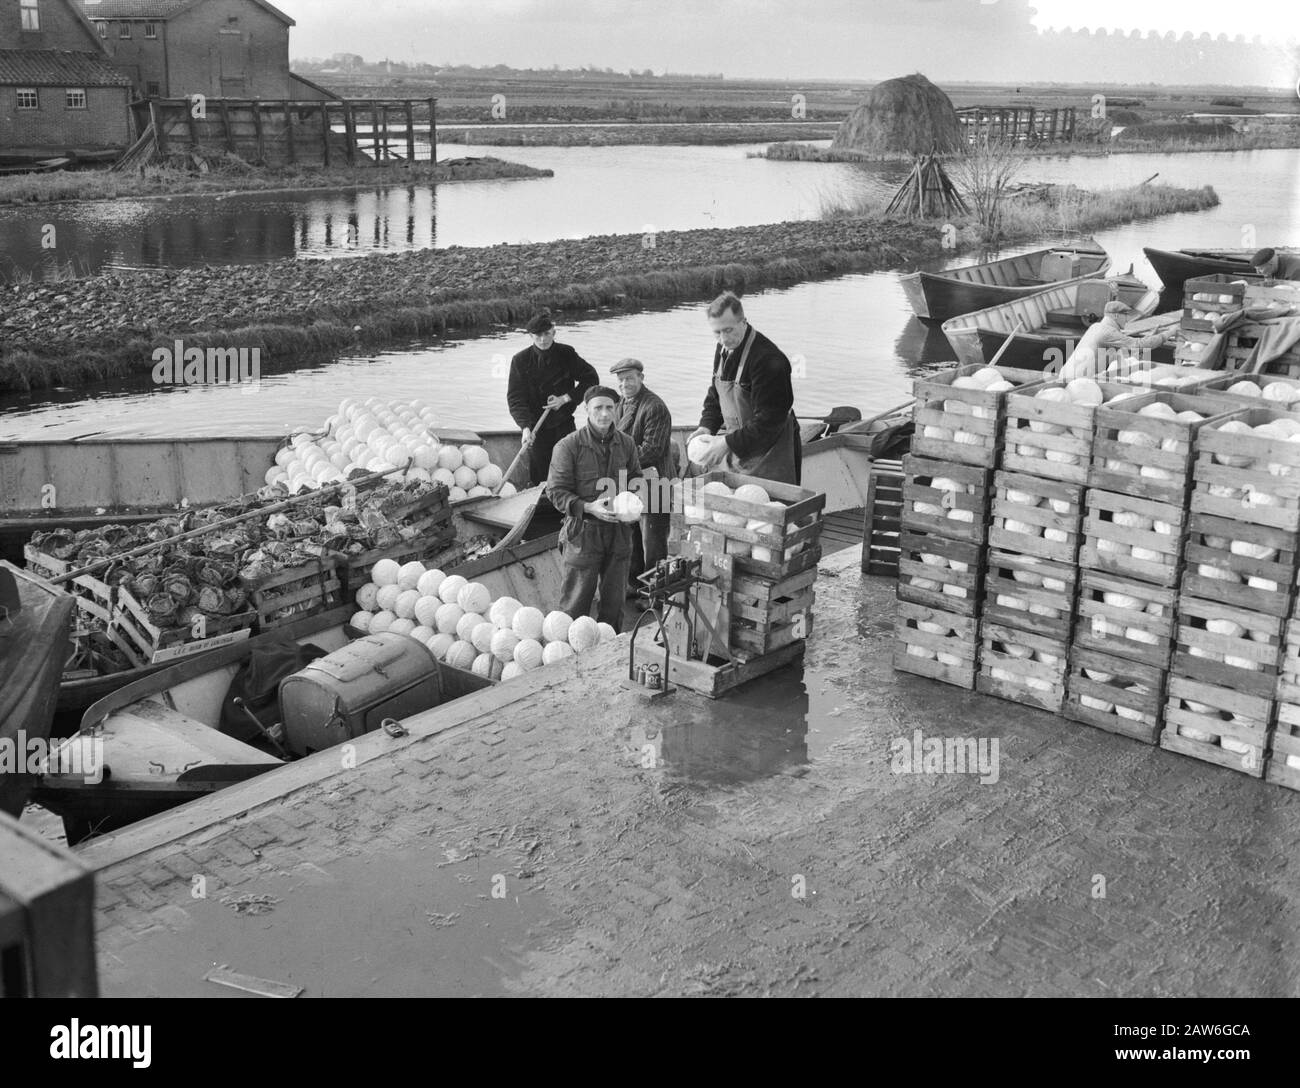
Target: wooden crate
[[940, 573], [1051, 438], [1258, 585], [795, 515], [1284, 745], [1139, 634], [962, 425], [713, 681], [358, 567], [1162, 473], [1030, 594], [1253, 663], [1217, 293], [1026, 680], [1259, 466], [883, 519], [916, 650], [295, 592], [1134, 693], [1048, 529], [1168, 376], [767, 615], [1191, 345], [928, 509], [1219, 712], [1108, 545]]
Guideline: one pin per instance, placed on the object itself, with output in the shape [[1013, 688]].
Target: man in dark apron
[[752, 397]]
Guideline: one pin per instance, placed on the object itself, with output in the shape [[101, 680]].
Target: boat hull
[[1175, 268]]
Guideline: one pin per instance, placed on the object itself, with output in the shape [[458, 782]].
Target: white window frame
[[103, 28], [68, 104], [151, 30], [124, 31], [35, 94], [31, 14]]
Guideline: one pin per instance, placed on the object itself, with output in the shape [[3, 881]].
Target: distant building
[[58, 90], [217, 48]]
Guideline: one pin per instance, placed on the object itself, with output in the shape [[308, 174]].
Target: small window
[[103, 29], [31, 15], [75, 98], [153, 89], [151, 30], [123, 30], [28, 99]]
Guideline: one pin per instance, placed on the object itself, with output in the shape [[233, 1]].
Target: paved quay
[[559, 836]]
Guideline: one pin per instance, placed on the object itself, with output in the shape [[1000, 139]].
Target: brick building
[[218, 48], [58, 90]]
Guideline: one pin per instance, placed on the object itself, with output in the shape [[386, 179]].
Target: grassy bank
[[162, 181], [107, 326], [641, 133]]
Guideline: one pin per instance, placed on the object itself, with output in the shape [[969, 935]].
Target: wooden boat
[[937, 296], [35, 618], [1051, 322], [1175, 267]]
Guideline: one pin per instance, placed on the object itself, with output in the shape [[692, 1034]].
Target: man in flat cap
[[1273, 265], [596, 546], [1104, 341], [643, 415], [546, 375]]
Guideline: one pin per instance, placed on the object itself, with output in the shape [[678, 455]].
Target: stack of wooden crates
[[1205, 299], [1137, 573]]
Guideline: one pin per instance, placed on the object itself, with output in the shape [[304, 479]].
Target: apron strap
[[744, 355]]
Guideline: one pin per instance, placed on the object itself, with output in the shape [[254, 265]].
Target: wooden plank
[[291, 149], [350, 130], [410, 131], [261, 134], [155, 119], [325, 135], [225, 126], [223, 976], [433, 130]]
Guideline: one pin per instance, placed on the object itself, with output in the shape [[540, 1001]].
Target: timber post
[[410, 131], [225, 126], [350, 127], [325, 134], [433, 130], [291, 150], [155, 119], [261, 133]]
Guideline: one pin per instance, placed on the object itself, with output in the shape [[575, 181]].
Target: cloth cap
[[627, 364], [599, 391], [539, 323], [1117, 307], [1262, 257]]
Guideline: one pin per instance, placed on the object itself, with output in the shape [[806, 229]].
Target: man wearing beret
[[595, 545], [643, 415], [1273, 265], [1104, 341], [546, 375]]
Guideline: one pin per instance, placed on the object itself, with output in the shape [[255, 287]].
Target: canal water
[[852, 338]]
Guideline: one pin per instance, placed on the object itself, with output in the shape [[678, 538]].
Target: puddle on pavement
[[783, 723], [406, 924]]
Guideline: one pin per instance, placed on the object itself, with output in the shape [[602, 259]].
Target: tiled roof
[[56, 68], [132, 9], [154, 9]]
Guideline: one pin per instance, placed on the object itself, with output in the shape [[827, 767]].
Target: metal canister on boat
[[640, 675], [652, 679]]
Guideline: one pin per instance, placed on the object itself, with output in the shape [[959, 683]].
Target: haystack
[[909, 115]]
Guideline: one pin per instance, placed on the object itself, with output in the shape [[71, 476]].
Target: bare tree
[[985, 173]]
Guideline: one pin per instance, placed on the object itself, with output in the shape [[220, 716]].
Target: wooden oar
[[845, 413], [263, 511], [1006, 343], [524, 448]]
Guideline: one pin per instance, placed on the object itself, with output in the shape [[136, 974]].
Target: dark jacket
[[534, 377], [648, 421], [583, 469], [771, 396]]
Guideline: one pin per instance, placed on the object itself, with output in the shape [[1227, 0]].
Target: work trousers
[[649, 544], [539, 457], [582, 583]]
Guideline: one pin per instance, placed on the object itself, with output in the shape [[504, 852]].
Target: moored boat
[[1050, 322], [1176, 267], [937, 296], [35, 618]]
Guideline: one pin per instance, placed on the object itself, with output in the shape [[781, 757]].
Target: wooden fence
[[278, 132], [1026, 124]]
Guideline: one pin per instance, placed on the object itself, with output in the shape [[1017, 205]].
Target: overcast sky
[[782, 39]]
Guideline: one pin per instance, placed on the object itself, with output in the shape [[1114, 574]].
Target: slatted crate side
[[941, 573], [1238, 661], [1156, 462], [1049, 530], [1141, 632], [929, 509], [1115, 694], [1109, 546], [1048, 437], [1199, 716], [963, 425], [759, 631], [882, 522], [1167, 376], [1288, 669], [1284, 749], [1256, 584], [1217, 292], [1030, 594], [298, 591], [949, 657], [1231, 468], [788, 503], [360, 566], [1037, 680]]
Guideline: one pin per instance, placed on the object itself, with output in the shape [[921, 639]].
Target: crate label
[[187, 649]]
